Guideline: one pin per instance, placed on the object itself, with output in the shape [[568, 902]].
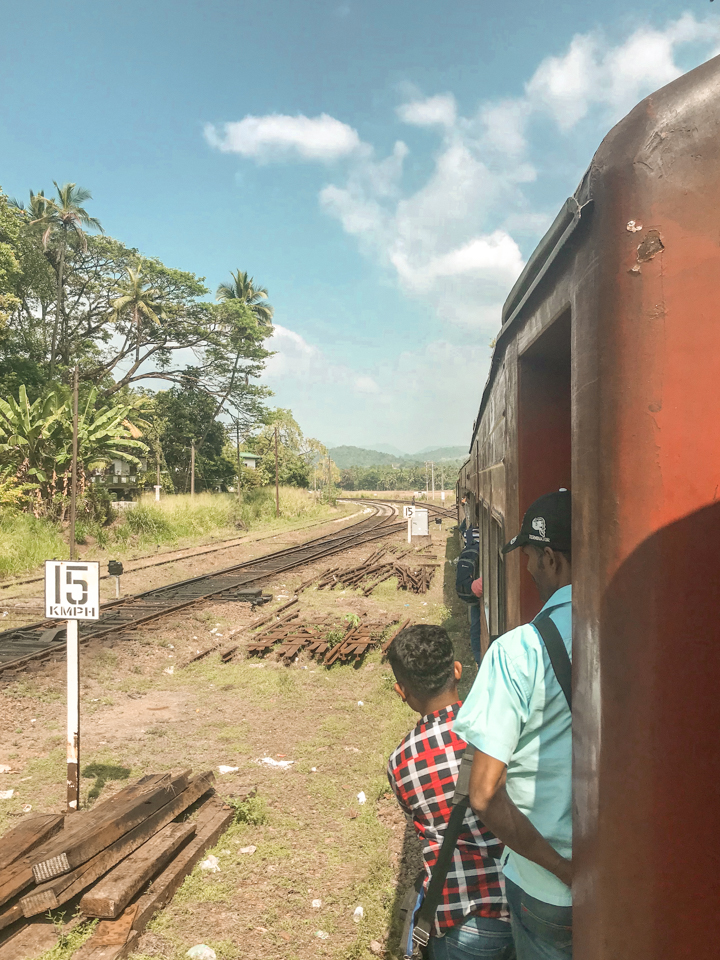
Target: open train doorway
[[544, 429]]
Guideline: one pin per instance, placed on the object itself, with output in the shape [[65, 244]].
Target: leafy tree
[[136, 296], [36, 440], [59, 219], [10, 268], [297, 454], [187, 413], [243, 289], [128, 320]]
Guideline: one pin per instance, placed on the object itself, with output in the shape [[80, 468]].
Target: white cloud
[[419, 386], [452, 242], [277, 135], [436, 239], [594, 73], [297, 360], [504, 126], [496, 256], [430, 112]]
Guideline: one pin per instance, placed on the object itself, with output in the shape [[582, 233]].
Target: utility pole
[[237, 440], [277, 478], [426, 479], [157, 478], [73, 478], [432, 468], [192, 468]]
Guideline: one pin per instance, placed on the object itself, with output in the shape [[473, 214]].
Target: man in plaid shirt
[[472, 919]]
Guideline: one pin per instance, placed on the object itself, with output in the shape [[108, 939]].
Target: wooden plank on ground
[[111, 939], [34, 938], [213, 820], [59, 890], [28, 834], [19, 875], [10, 915], [109, 897], [65, 852]]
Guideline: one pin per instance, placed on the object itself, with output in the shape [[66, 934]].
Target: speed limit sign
[[72, 593], [72, 590]]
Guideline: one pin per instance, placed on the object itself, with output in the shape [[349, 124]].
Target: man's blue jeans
[[541, 931], [475, 631], [478, 937]]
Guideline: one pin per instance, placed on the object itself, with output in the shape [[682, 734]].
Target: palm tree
[[36, 208], [136, 294], [243, 288], [61, 217]]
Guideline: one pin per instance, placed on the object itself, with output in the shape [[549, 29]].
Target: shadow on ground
[[102, 772]]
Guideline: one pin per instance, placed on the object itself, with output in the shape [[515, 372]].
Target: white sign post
[[408, 513], [72, 593]]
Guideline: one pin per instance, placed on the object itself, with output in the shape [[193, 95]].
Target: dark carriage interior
[[544, 428]]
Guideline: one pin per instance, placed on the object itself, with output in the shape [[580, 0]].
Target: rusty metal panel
[[641, 278], [646, 470]]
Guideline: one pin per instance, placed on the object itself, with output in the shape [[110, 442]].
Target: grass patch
[[172, 521], [28, 542], [69, 942], [252, 811]]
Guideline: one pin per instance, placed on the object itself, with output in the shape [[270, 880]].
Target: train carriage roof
[[668, 107]]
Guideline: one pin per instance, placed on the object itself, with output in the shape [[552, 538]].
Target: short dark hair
[[422, 658], [540, 550]]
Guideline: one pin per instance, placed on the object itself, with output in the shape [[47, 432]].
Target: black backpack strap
[[557, 651], [433, 894]]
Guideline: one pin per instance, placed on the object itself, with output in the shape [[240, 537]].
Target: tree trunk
[[58, 326], [137, 335]]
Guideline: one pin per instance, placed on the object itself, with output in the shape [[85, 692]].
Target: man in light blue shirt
[[518, 719]]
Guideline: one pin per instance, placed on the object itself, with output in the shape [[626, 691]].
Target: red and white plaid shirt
[[422, 772]]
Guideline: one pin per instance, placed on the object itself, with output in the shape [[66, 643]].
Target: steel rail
[[226, 584]]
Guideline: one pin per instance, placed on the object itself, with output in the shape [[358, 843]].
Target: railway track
[[41, 640]]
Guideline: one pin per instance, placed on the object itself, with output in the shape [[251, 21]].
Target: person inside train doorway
[[468, 587], [517, 716]]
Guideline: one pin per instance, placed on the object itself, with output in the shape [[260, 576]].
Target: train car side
[[604, 380]]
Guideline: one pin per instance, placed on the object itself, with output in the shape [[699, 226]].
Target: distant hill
[[388, 448], [346, 457], [441, 453]]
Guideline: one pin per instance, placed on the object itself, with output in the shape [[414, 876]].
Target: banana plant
[[36, 438]]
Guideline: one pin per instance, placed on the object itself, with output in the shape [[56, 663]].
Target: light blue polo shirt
[[516, 712]]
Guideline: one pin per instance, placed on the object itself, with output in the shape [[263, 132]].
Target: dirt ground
[[313, 840]]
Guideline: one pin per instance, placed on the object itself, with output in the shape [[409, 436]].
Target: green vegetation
[[36, 444], [69, 942], [252, 811], [397, 478], [346, 457], [72, 299], [27, 542]]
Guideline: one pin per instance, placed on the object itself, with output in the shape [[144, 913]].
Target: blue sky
[[384, 168]]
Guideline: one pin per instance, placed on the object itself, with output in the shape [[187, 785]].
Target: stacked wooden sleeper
[[105, 856]]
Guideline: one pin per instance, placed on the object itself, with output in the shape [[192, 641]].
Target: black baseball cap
[[547, 523]]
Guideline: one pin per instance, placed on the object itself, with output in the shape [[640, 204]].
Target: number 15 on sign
[[72, 593]]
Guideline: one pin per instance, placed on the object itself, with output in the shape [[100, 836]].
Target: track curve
[[21, 645]]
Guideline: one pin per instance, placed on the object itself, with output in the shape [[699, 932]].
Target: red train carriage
[[606, 380]]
